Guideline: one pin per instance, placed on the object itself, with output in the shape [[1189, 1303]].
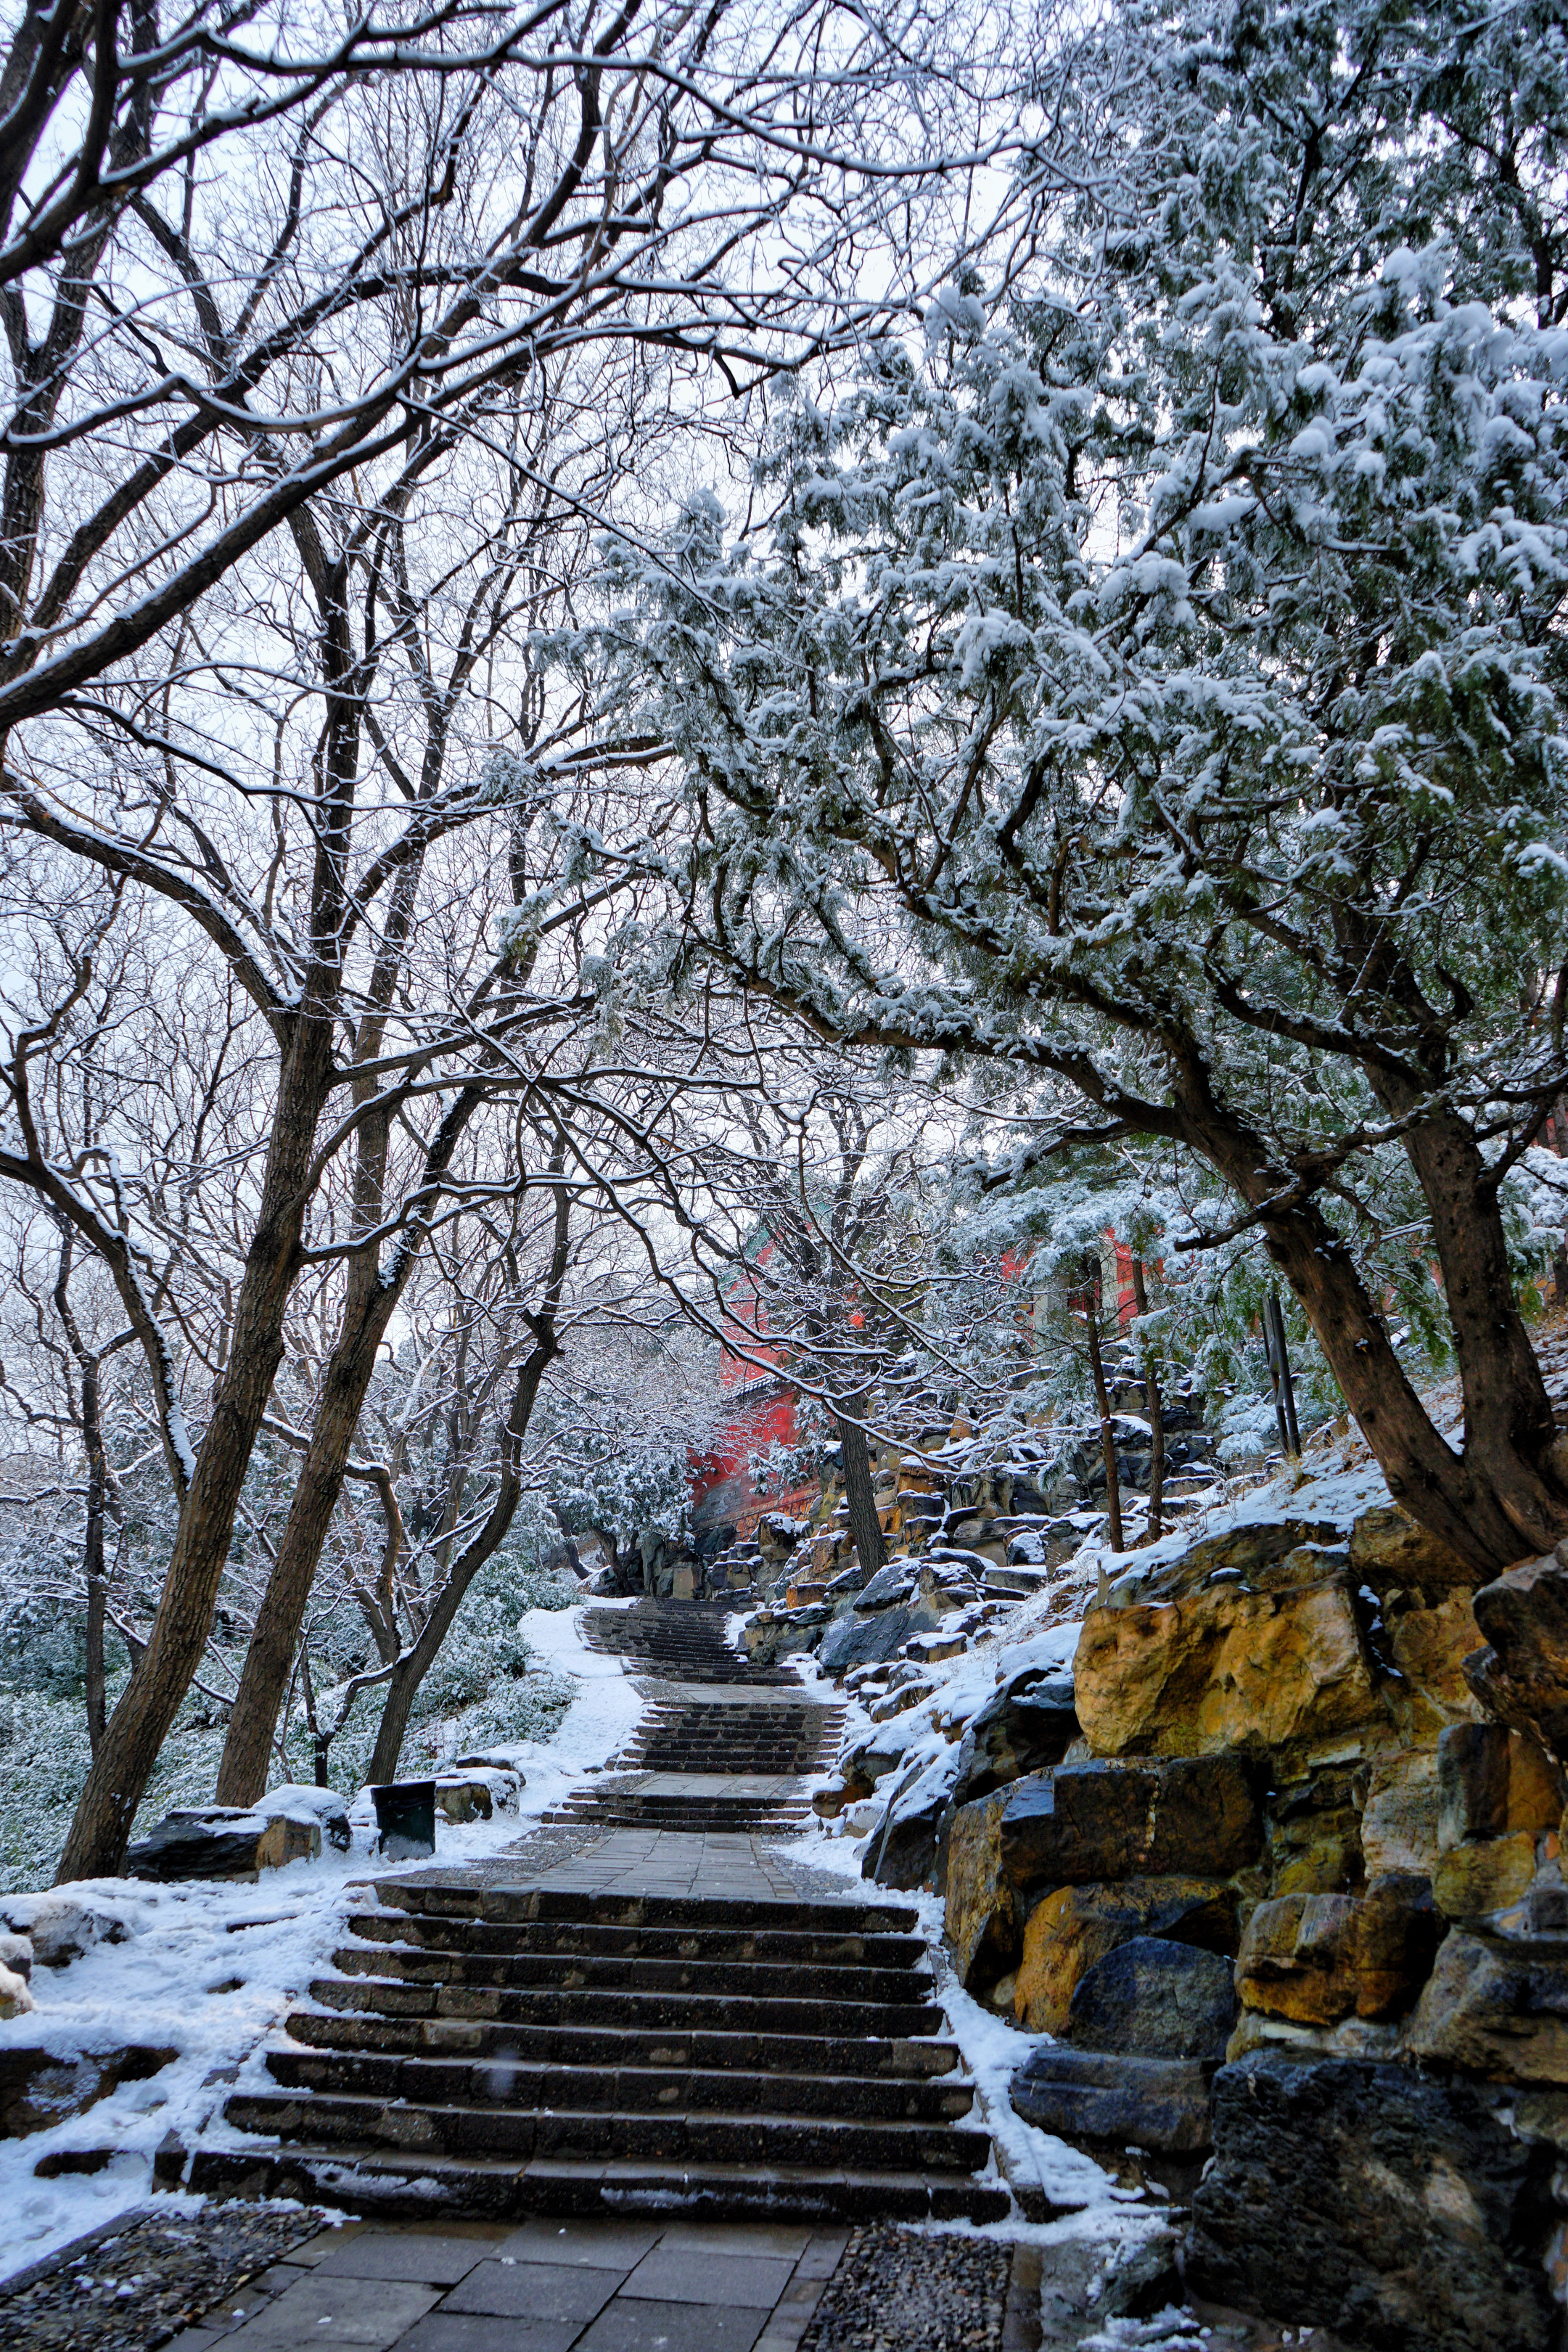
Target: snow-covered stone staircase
[[681, 1735], [680, 1641], [720, 1749], [502, 2051]]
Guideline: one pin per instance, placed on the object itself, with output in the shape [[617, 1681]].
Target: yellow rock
[[1315, 1846], [1224, 1669], [1316, 1959], [1298, 1958], [1486, 1877], [981, 1905], [1069, 1930], [1399, 1825], [1064, 1938], [1430, 1646], [1389, 1552]]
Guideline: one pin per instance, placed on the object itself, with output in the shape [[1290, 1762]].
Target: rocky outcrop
[[1293, 1828], [1315, 1959], [1399, 2211], [1229, 1669], [1082, 1824], [1068, 1930]]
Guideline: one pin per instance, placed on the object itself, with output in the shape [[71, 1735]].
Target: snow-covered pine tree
[[1151, 688]]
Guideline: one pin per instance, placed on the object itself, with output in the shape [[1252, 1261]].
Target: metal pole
[[1284, 1387]]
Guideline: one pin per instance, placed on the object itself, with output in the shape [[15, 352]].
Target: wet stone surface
[[897, 2291], [132, 2288]]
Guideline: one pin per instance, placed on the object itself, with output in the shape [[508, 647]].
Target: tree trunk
[[247, 1747], [1154, 1403], [368, 1310], [411, 1668], [92, 1550], [1450, 1494], [151, 1700], [1508, 1424], [859, 1492], [1103, 1400]]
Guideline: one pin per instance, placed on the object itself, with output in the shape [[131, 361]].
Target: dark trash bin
[[405, 1816]]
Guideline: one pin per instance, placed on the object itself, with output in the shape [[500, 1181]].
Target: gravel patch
[[132, 2286], [895, 2291]]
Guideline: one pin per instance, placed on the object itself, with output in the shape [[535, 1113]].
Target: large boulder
[[1225, 1668], [1497, 2007], [1315, 1959], [1071, 1928], [981, 1913], [1106, 2097], [1080, 1824], [1194, 1816], [1029, 1725], [1397, 2211], [303, 1803], [62, 1923], [903, 1851], [215, 1841], [1150, 1999], [854, 1640], [1523, 1616]]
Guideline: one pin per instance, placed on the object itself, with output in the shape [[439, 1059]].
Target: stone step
[[745, 1713], [586, 1939], [608, 2047], [624, 2090], [766, 1759], [412, 2187], [763, 2141], [1163, 2104], [441, 1899], [676, 1813], [644, 2011], [727, 1763], [720, 1800], [760, 1979]]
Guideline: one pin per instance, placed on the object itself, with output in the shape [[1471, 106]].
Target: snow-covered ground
[[208, 1971]]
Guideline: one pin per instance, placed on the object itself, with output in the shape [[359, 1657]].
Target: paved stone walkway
[[687, 1862], [657, 2285]]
